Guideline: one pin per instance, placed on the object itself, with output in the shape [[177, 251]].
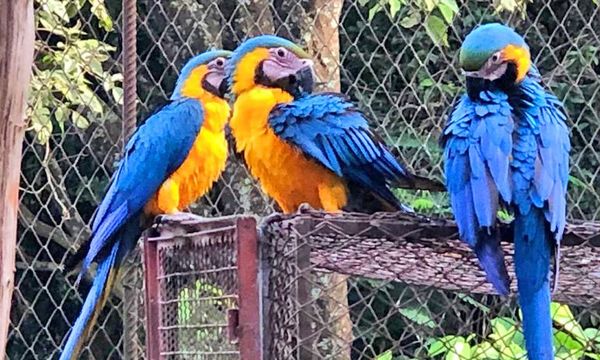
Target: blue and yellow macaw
[[170, 161], [303, 147], [507, 144]]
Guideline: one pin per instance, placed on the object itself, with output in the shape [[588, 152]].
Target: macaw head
[[495, 51], [270, 61], [203, 73]]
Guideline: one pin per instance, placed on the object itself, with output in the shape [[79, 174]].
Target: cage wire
[[397, 59]]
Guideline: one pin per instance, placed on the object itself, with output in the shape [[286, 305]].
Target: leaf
[[61, 114], [427, 82], [460, 351], [430, 5], [437, 30], [577, 182], [485, 351], [100, 12], [564, 341], [374, 10], [449, 9], [96, 67], [592, 334], [418, 315], [395, 6], [443, 345], [385, 356], [79, 120], [57, 7], [412, 19], [117, 94], [469, 300], [423, 204], [562, 315]]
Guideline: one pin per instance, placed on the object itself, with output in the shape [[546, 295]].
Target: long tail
[[106, 273], [491, 257], [533, 244], [94, 302]]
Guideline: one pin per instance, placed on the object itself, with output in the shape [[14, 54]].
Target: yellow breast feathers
[[285, 174], [206, 160]]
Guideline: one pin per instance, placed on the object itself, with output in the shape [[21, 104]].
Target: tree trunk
[[322, 37], [16, 58]]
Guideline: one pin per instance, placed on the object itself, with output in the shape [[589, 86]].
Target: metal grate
[[193, 289]]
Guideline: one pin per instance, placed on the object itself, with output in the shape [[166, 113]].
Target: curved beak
[[215, 81], [301, 81]]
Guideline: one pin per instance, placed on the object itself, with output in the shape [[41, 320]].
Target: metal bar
[[129, 68], [198, 272], [152, 305], [250, 342]]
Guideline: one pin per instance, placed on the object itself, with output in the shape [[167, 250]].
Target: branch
[[41, 229]]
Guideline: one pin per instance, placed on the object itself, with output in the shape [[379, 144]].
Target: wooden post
[[16, 59]]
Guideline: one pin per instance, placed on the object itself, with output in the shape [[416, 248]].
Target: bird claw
[[304, 208], [178, 217]]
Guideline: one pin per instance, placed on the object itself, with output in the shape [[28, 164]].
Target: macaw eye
[[496, 58], [220, 62], [281, 52]]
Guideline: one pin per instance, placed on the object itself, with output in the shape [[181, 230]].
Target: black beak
[[305, 79], [299, 83], [223, 88]]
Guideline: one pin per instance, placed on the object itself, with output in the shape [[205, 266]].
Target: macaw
[[506, 143], [170, 161], [303, 147]]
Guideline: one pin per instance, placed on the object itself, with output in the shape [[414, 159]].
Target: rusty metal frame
[[250, 318], [245, 323]]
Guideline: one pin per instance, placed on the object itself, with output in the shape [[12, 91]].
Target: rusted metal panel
[[250, 311]]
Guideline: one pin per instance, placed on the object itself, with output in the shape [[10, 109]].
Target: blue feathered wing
[[331, 130], [155, 151], [477, 144]]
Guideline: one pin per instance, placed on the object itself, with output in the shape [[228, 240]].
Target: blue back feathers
[[331, 130], [193, 63]]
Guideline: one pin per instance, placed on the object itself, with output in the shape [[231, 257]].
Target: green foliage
[[425, 202], [437, 14], [506, 340], [70, 66], [201, 304]]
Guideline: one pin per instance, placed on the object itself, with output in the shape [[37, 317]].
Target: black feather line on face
[[506, 83]]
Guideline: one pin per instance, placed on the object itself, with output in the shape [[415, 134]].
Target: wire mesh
[[415, 291], [193, 289], [396, 58]]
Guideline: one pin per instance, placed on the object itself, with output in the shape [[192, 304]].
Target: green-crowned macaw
[[303, 147], [506, 143], [169, 162]]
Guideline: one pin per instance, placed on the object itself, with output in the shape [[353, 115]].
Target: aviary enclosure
[[325, 287]]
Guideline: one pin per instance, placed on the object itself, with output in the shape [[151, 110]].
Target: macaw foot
[[304, 208], [177, 217]]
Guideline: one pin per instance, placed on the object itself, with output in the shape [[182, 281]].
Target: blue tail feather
[[491, 257], [93, 304], [106, 273], [533, 250]]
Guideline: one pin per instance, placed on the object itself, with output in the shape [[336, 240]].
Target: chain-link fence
[[396, 58]]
